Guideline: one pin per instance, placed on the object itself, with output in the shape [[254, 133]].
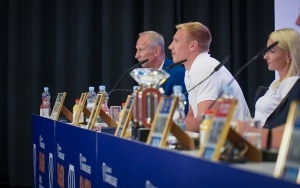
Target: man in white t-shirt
[[191, 42]]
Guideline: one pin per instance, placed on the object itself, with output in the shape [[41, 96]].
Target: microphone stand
[[215, 70], [175, 64], [133, 67], [242, 68], [123, 90]]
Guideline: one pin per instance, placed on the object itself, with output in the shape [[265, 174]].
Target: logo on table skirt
[[107, 177], [50, 170], [34, 163], [71, 177]]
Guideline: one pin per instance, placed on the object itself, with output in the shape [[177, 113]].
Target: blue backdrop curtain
[[71, 45]]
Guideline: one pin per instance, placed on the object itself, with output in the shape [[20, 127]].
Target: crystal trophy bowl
[[149, 76]]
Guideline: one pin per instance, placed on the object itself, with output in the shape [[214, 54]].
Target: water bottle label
[[74, 114], [176, 115], [81, 119], [90, 106], [202, 136], [46, 95], [45, 112]]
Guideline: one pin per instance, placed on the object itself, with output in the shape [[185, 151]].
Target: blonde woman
[[272, 108]]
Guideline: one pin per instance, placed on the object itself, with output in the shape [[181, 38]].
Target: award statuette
[[125, 118], [82, 102], [162, 121], [58, 105], [95, 111], [218, 131]]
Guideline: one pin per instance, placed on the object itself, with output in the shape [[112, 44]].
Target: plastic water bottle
[[227, 93], [205, 126], [91, 98], [134, 89], [179, 114], [46, 94], [45, 108], [102, 90], [104, 107]]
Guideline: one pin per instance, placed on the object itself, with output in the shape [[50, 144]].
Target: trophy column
[[146, 100]]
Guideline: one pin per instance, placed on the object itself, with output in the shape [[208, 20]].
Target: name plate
[[58, 105], [218, 131], [95, 111], [82, 102], [125, 118], [162, 122]]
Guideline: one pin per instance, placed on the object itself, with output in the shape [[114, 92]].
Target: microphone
[[175, 64], [222, 63], [263, 51], [138, 64], [123, 90], [215, 70], [133, 67]]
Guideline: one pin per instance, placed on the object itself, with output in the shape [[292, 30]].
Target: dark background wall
[[71, 45]]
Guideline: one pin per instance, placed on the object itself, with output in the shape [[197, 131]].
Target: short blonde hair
[[199, 32]]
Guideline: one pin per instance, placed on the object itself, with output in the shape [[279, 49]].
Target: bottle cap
[[209, 111], [135, 88], [46, 88], [91, 88], [102, 88], [227, 90]]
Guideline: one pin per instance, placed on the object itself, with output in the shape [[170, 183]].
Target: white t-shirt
[[211, 88], [266, 104]]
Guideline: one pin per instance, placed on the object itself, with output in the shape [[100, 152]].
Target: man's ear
[[157, 51], [194, 45]]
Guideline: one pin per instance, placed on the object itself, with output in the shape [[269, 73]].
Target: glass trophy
[[148, 95]]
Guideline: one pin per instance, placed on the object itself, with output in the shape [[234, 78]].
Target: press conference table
[[65, 155]]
